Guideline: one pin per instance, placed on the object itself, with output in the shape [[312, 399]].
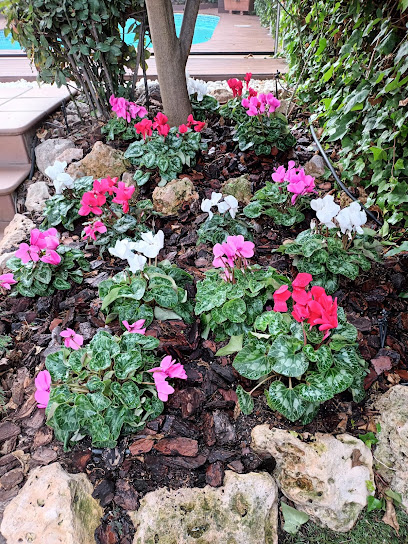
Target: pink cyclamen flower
[[51, 257], [43, 388], [72, 339], [105, 185], [279, 174], [168, 369], [247, 78], [91, 230], [183, 129], [7, 280], [28, 253], [160, 124], [235, 247], [299, 284], [123, 195], [236, 87], [135, 327], [280, 297]]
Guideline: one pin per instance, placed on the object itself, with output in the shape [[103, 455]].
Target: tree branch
[[187, 27]]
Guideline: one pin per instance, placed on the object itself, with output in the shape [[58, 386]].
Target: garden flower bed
[[183, 315]]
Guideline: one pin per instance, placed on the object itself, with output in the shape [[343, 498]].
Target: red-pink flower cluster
[[237, 86], [314, 306], [42, 247], [92, 201], [298, 182], [125, 109], [146, 127]]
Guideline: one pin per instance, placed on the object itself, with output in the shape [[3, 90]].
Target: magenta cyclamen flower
[[39, 241], [72, 339], [168, 369], [234, 248], [43, 388], [7, 280], [51, 257], [125, 109], [91, 230], [136, 326]]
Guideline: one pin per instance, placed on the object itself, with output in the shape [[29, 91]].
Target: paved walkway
[[234, 33]]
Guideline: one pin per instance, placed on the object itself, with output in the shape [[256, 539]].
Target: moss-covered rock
[[325, 476], [243, 511], [239, 187], [168, 200]]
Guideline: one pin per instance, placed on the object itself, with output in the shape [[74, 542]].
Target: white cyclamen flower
[[233, 205], [60, 179], [352, 218], [208, 203], [136, 262], [150, 244], [326, 209], [122, 249], [197, 86]]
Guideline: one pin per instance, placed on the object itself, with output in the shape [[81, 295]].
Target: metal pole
[[278, 7]]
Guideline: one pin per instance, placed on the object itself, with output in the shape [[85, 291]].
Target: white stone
[[243, 511], [71, 154], [16, 232], [37, 195], [168, 200], [53, 507], [324, 476], [315, 167], [391, 452], [4, 257], [47, 152]]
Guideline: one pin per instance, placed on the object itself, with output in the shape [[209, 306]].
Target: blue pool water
[[204, 30]]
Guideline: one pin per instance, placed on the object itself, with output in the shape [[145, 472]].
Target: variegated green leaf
[[246, 402], [286, 401], [286, 357], [252, 363]]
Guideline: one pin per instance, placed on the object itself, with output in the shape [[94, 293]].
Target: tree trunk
[[171, 55]]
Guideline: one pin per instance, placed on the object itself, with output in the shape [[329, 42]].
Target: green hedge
[[351, 58]]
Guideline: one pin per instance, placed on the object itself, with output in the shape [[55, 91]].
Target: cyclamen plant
[[284, 199], [259, 126], [231, 296], [337, 246], [305, 348], [121, 125], [104, 389], [216, 228], [45, 265], [164, 149]]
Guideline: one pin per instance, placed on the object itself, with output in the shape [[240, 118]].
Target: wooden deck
[[234, 33]]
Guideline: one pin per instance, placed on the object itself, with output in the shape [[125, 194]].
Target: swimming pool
[[204, 30]]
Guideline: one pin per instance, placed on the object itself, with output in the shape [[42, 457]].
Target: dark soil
[[198, 436]]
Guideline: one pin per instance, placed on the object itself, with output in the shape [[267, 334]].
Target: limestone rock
[[222, 95], [325, 477], [243, 511], [71, 154], [102, 161], [169, 199], [53, 507], [47, 152], [4, 257], [239, 187], [16, 232], [392, 447], [37, 195], [315, 167]]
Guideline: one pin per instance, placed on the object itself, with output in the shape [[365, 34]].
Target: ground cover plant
[[350, 59]]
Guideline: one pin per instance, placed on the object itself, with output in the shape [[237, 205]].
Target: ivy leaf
[[234, 345], [286, 401], [246, 402], [293, 518]]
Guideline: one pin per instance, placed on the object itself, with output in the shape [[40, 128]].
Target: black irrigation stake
[[64, 112], [277, 77], [383, 327], [33, 146]]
